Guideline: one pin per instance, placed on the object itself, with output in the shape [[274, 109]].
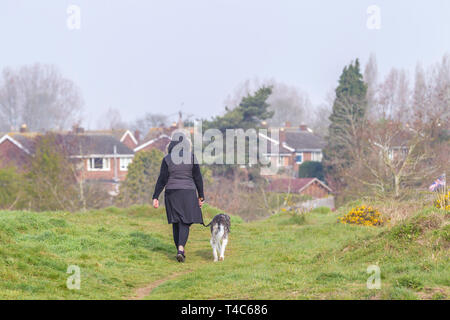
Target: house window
[[316, 156], [391, 154], [124, 163], [299, 158], [396, 153], [405, 152], [98, 164], [281, 161]]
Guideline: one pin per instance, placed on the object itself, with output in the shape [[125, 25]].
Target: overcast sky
[[152, 56]]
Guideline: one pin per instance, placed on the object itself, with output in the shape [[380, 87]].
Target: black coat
[[182, 182], [182, 204]]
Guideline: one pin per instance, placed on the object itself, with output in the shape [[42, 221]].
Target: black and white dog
[[220, 228]]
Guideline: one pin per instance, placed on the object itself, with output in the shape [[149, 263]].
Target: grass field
[[129, 253]]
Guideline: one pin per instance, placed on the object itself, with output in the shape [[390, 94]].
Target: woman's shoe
[[180, 256]]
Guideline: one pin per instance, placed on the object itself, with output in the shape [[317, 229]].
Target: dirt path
[[141, 293]]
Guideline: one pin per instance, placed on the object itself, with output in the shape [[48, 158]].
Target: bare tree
[[393, 97], [371, 79], [407, 145], [150, 120], [242, 90], [10, 109], [386, 95], [319, 118], [289, 104], [420, 91], [396, 157], [426, 100], [438, 98], [112, 120], [40, 97], [402, 105]]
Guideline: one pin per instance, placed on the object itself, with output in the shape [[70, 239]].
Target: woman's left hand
[[200, 202]]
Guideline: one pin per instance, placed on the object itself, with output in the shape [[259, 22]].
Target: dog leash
[[206, 226]]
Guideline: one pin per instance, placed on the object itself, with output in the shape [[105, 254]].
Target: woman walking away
[[181, 177]]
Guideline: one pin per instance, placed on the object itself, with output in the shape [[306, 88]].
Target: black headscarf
[[178, 138]]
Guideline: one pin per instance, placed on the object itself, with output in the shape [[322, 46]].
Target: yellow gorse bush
[[443, 201], [365, 216]]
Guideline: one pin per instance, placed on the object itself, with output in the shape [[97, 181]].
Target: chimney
[[282, 135], [180, 123], [137, 135], [77, 129], [303, 127], [23, 128]]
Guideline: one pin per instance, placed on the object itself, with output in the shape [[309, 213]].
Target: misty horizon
[[141, 57]]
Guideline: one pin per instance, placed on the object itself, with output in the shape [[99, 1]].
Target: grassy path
[[141, 293], [279, 259], [129, 254], [272, 259]]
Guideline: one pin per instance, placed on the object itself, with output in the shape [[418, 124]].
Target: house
[[396, 144], [16, 149], [160, 142], [159, 137], [104, 156], [306, 186], [131, 140], [398, 147], [295, 146]]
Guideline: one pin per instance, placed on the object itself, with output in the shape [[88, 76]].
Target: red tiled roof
[[291, 184], [160, 143], [90, 143], [288, 184], [296, 141]]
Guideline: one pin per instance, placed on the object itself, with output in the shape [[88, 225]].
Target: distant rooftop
[[87, 143]]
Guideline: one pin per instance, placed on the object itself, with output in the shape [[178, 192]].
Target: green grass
[[282, 257], [323, 210]]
